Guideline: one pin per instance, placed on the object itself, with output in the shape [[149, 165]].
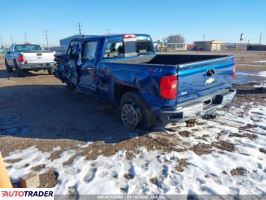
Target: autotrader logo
[[27, 193]]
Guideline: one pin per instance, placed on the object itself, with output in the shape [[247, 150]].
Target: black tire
[[18, 72], [50, 71], [8, 68], [134, 112], [70, 85]]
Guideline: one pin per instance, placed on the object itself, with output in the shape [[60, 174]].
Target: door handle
[[90, 69]]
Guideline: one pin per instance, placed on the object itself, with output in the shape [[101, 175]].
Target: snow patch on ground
[[154, 172], [259, 61], [260, 74], [261, 85]]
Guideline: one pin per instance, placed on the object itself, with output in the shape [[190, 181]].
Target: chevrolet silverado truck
[[125, 70], [28, 57]]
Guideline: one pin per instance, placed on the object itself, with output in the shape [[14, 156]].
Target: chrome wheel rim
[[130, 115]]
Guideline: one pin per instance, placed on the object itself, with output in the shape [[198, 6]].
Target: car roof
[[84, 38], [25, 44]]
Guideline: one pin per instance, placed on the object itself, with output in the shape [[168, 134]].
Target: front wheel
[[50, 72], [70, 85], [134, 112]]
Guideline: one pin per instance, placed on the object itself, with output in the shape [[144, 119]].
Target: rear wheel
[[8, 68], [50, 72], [134, 113], [18, 72]]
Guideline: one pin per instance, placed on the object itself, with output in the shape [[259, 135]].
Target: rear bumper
[[37, 66], [198, 107]]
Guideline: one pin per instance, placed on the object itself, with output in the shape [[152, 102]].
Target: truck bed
[[198, 75], [171, 59], [168, 59]]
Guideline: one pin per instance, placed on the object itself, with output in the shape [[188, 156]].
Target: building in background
[[65, 41], [256, 47], [176, 46], [235, 46], [213, 45]]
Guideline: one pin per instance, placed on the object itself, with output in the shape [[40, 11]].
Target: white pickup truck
[[28, 57]]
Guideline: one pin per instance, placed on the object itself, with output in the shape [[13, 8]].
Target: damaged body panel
[[125, 70]]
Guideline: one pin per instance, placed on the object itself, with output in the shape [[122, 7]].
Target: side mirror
[[8, 51]]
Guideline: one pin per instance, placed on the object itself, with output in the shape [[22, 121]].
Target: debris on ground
[[31, 180], [240, 171]]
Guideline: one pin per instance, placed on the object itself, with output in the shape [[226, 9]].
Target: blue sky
[[215, 19]]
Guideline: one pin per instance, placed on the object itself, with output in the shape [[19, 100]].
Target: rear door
[[203, 78]]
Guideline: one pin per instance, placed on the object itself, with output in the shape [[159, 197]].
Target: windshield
[[27, 47]]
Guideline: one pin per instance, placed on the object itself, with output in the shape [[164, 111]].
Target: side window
[[74, 50], [114, 49], [89, 52]]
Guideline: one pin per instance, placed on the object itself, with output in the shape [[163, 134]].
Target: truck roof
[[106, 36], [25, 44]]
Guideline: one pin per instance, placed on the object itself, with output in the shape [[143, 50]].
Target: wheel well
[[120, 90]]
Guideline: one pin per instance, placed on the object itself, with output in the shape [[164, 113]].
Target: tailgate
[[203, 78], [38, 57]]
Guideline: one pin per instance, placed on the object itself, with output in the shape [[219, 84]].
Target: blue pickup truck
[[125, 70]]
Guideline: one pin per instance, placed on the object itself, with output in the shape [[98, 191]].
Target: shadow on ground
[[53, 112], [5, 74], [259, 90]]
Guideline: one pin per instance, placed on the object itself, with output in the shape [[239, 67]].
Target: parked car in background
[[125, 70], [58, 50], [28, 57]]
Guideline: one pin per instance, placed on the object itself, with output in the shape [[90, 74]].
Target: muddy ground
[[37, 110]]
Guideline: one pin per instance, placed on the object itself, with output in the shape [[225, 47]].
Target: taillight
[[20, 58], [168, 86], [234, 72]]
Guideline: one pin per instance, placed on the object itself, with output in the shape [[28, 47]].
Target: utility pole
[[204, 37], [1, 42], [46, 38], [11, 39], [79, 28], [25, 37], [260, 38], [108, 31]]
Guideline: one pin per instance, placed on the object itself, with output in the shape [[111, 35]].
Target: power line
[[46, 37]]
